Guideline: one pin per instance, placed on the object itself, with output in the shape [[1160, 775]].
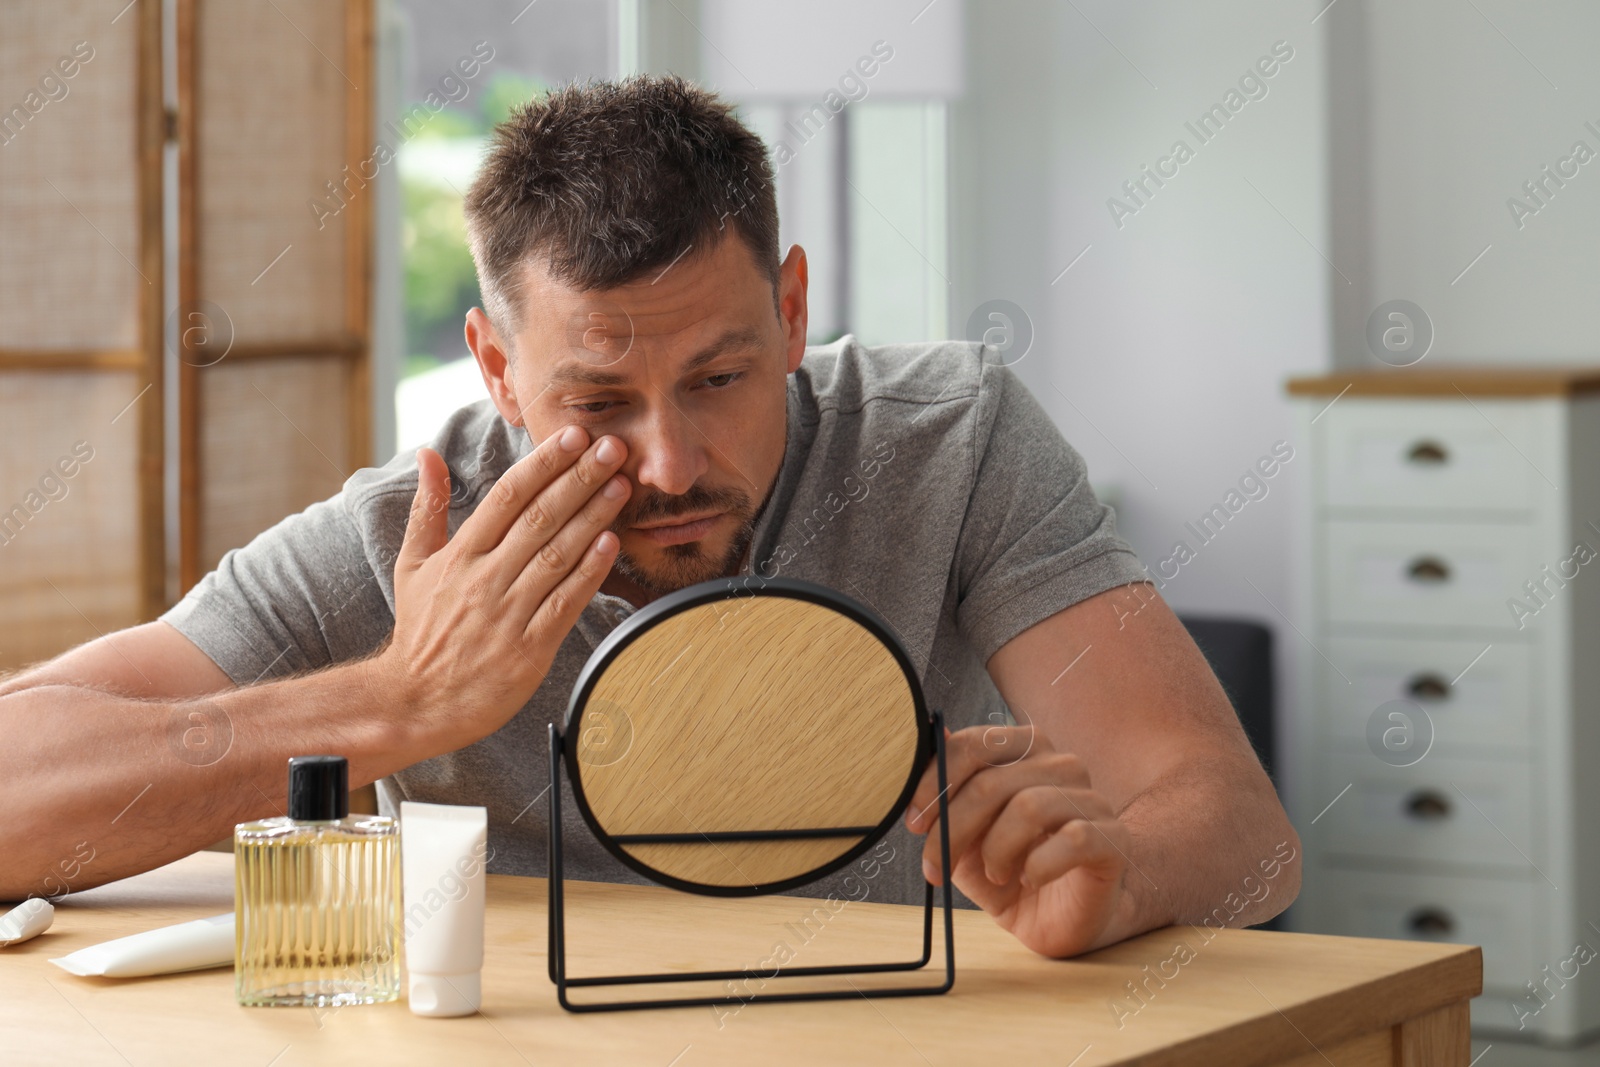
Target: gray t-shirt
[[923, 480]]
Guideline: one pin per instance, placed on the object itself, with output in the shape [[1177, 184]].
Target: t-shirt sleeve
[[1035, 538], [300, 596]]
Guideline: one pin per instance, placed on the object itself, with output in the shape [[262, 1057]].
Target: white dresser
[[1447, 689]]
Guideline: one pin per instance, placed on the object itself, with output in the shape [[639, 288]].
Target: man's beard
[[688, 563], [684, 565]]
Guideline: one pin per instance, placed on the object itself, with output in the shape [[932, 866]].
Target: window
[[530, 48], [861, 181]]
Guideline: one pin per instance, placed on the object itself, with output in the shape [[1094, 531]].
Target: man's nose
[[670, 450]]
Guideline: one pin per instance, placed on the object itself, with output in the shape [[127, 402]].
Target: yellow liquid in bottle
[[317, 912]]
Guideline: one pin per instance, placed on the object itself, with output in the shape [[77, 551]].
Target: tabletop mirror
[[738, 737]]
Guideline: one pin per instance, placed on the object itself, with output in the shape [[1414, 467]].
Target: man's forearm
[[97, 786], [1205, 851]]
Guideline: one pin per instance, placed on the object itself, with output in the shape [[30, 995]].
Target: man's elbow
[[1279, 865], [1291, 870]]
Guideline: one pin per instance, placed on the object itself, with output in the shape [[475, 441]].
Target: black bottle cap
[[319, 788]]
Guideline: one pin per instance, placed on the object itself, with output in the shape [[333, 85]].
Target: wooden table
[[1245, 997]]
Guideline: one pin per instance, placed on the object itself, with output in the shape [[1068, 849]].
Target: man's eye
[[593, 407], [731, 376]]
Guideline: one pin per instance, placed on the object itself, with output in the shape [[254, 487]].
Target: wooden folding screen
[[258, 365], [82, 544], [276, 169]]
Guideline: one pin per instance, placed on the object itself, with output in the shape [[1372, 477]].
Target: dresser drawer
[[1442, 809], [1498, 914], [1429, 454], [1490, 706], [1427, 573]]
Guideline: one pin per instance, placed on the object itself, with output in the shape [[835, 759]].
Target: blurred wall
[[1163, 330], [1452, 110]]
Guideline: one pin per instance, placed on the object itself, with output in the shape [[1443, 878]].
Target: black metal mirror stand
[[557, 946]]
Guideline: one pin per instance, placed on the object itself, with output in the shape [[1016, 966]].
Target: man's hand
[[479, 617], [1031, 842]]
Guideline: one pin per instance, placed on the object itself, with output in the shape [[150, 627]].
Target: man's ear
[[792, 278], [494, 363]]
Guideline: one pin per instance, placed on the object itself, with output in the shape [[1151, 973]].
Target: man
[[654, 419]]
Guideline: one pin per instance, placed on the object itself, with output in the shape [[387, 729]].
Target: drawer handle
[[1428, 687], [1428, 569], [1431, 922], [1430, 453], [1428, 804]]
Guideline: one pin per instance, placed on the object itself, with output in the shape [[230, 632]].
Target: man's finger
[[544, 572], [427, 527], [1078, 844], [960, 764], [1035, 812], [518, 486], [577, 501], [967, 752], [559, 611], [987, 793]]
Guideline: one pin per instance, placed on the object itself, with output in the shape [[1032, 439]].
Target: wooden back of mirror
[[750, 714]]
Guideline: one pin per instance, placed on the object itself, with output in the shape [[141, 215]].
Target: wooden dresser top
[[1449, 381]]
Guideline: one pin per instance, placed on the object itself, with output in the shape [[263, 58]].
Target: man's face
[[688, 367]]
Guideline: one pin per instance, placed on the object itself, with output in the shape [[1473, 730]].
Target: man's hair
[[605, 182]]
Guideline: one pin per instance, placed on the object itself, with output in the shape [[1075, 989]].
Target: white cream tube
[[443, 854], [189, 946], [27, 920]]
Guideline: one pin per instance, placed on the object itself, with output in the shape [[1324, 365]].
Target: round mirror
[[746, 735]]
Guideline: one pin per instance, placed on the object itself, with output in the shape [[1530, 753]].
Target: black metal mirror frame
[[930, 744]]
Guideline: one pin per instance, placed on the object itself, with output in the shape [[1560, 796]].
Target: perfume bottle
[[317, 897]]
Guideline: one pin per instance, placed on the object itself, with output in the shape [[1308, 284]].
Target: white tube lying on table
[[189, 946], [29, 919], [442, 861]]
